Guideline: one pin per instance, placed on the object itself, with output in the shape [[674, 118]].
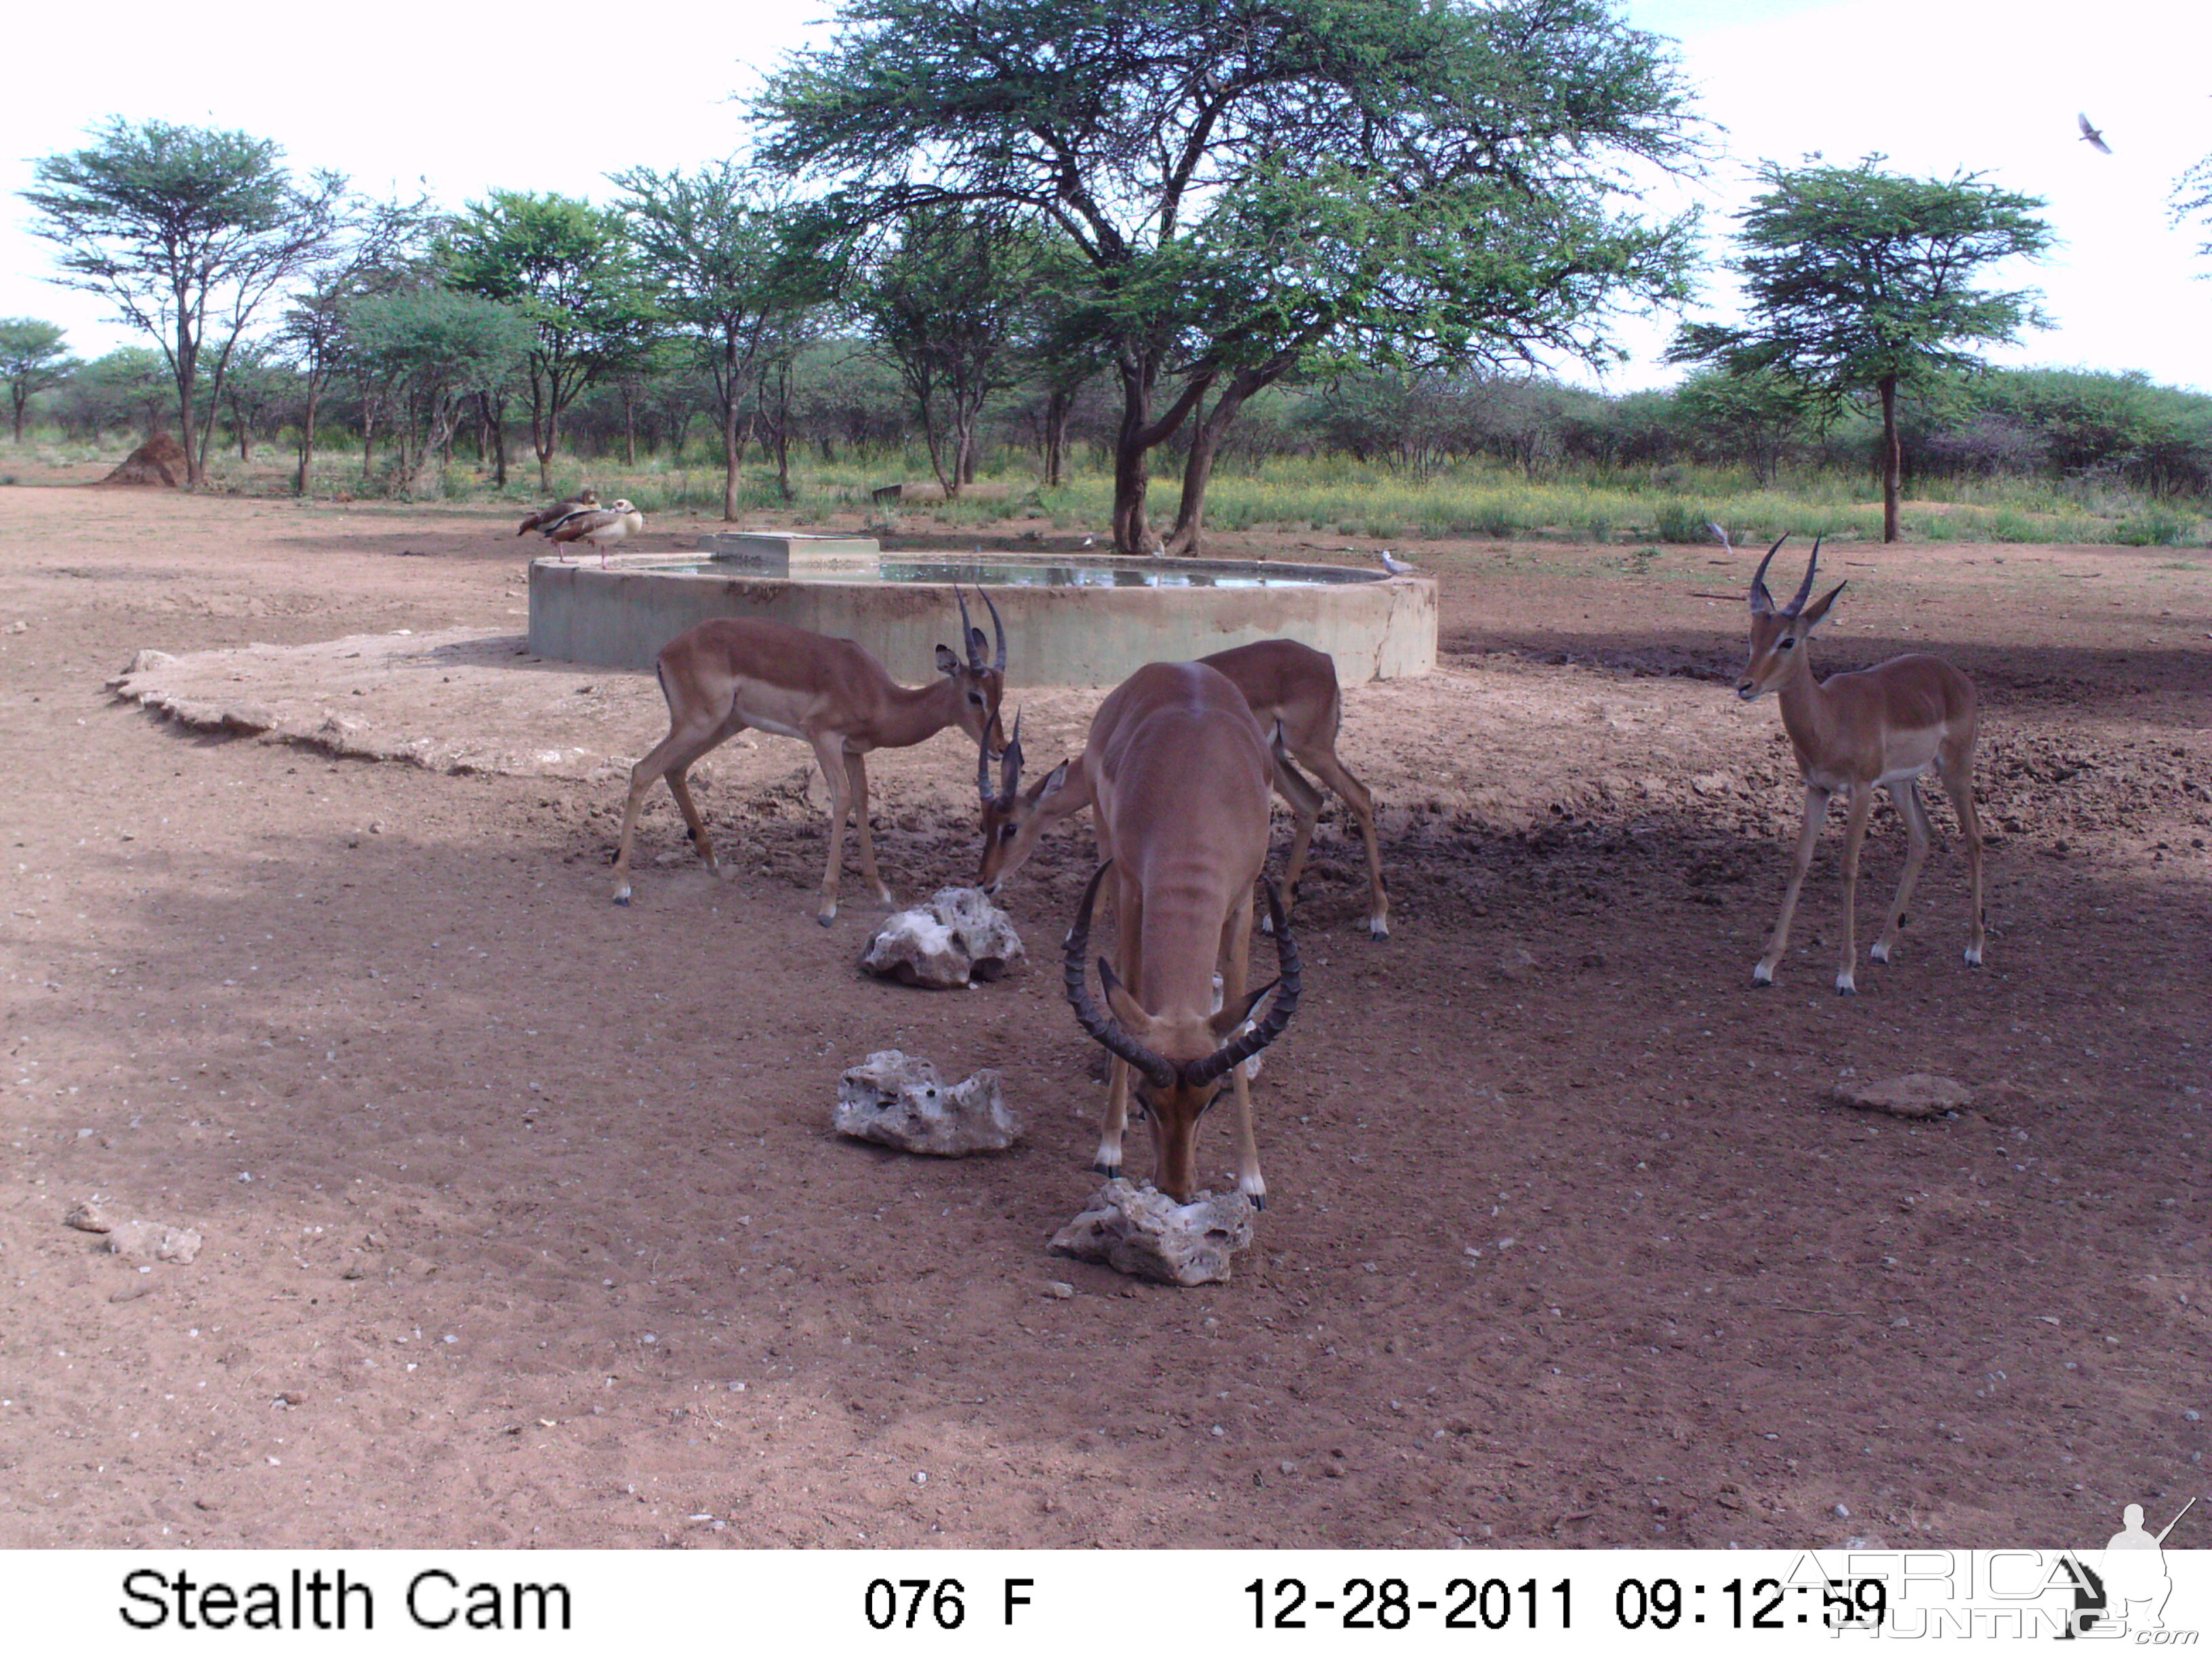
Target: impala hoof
[[1973, 956], [1111, 1171], [1761, 977], [621, 899], [1259, 1199], [1377, 928], [1878, 952], [826, 920], [1846, 987]]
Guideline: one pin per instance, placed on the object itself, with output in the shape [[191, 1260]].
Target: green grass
[[1323, 496]]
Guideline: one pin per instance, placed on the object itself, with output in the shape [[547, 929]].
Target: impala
[[1887, 726], [1291, 691], [732, 672], [1178, 770]]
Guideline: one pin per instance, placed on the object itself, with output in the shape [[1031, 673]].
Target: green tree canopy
[[33, 356], [1860, 281], [187, 231], [570, 269], [432, 351], [727, 249], [1257, 186], [950, 302]]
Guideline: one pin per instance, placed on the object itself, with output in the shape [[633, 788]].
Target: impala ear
[[1808, 618], [1051, 783], [946, 662], [1133, 1018], [1226, 1020]]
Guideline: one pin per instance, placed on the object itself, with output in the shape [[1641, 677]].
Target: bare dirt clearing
[[523, 1222]]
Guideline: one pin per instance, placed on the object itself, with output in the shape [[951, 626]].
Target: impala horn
[[1010, 769], [1804, 587], [1198, 1072], [971, 637], [1762, 600], [997, 628], [1103, 1028]]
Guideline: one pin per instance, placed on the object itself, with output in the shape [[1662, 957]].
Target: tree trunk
[[368, 446], [630, 424], [1131, 476], [1893, 461], [732, 455], [20, 397], [304, 481], [1198, 466], [1058, 405], [497, 407]]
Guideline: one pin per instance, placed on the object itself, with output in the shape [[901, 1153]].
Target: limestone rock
[[1147, 1234], [88, 1217], [149, 1241], [898, 1100], [1917, 1094], [141, 661], [959, 938]]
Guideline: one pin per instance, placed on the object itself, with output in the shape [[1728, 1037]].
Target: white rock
[[898, 1100], [1145, 1233], [151, 1241], [1917, 1094], [959, 938]]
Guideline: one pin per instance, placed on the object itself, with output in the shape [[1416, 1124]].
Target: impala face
[[1778, 636], [982, 685], [1178, 1064], [1013, 818]]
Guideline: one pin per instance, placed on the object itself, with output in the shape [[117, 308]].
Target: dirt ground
[[523, 1223]]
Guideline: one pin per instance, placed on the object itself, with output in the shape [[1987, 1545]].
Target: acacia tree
[[432, 351], [382, 250], [1252, 186], [721, 242], [1860, 282], [1756, 414], [188, 232], [570, 269], [2192, 199], [32, 359], [950, 303]]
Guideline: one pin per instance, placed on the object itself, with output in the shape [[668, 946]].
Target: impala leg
[[830, 753], [1857, 811], [679, 786], [671, 757], [1128, 964], [1108, 1161], [1914, 811], [1331, 771], [1236, 970], [1959, 784], [1816, 811], [856, 777]]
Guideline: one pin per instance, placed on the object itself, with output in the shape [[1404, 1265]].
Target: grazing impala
[[1886, 726], [732, 672], [1178, 769], [1291, 691]]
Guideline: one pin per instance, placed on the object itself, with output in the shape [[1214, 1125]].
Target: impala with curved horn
[[1883, 726], [732, 672], [1179, 768], [1292, 690]]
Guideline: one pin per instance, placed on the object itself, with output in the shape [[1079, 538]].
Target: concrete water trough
[[1078, 619]]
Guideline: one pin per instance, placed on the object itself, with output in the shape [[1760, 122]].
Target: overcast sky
[[468, 98]]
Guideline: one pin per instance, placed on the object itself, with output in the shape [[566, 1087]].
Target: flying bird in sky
[[2091, 136]]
